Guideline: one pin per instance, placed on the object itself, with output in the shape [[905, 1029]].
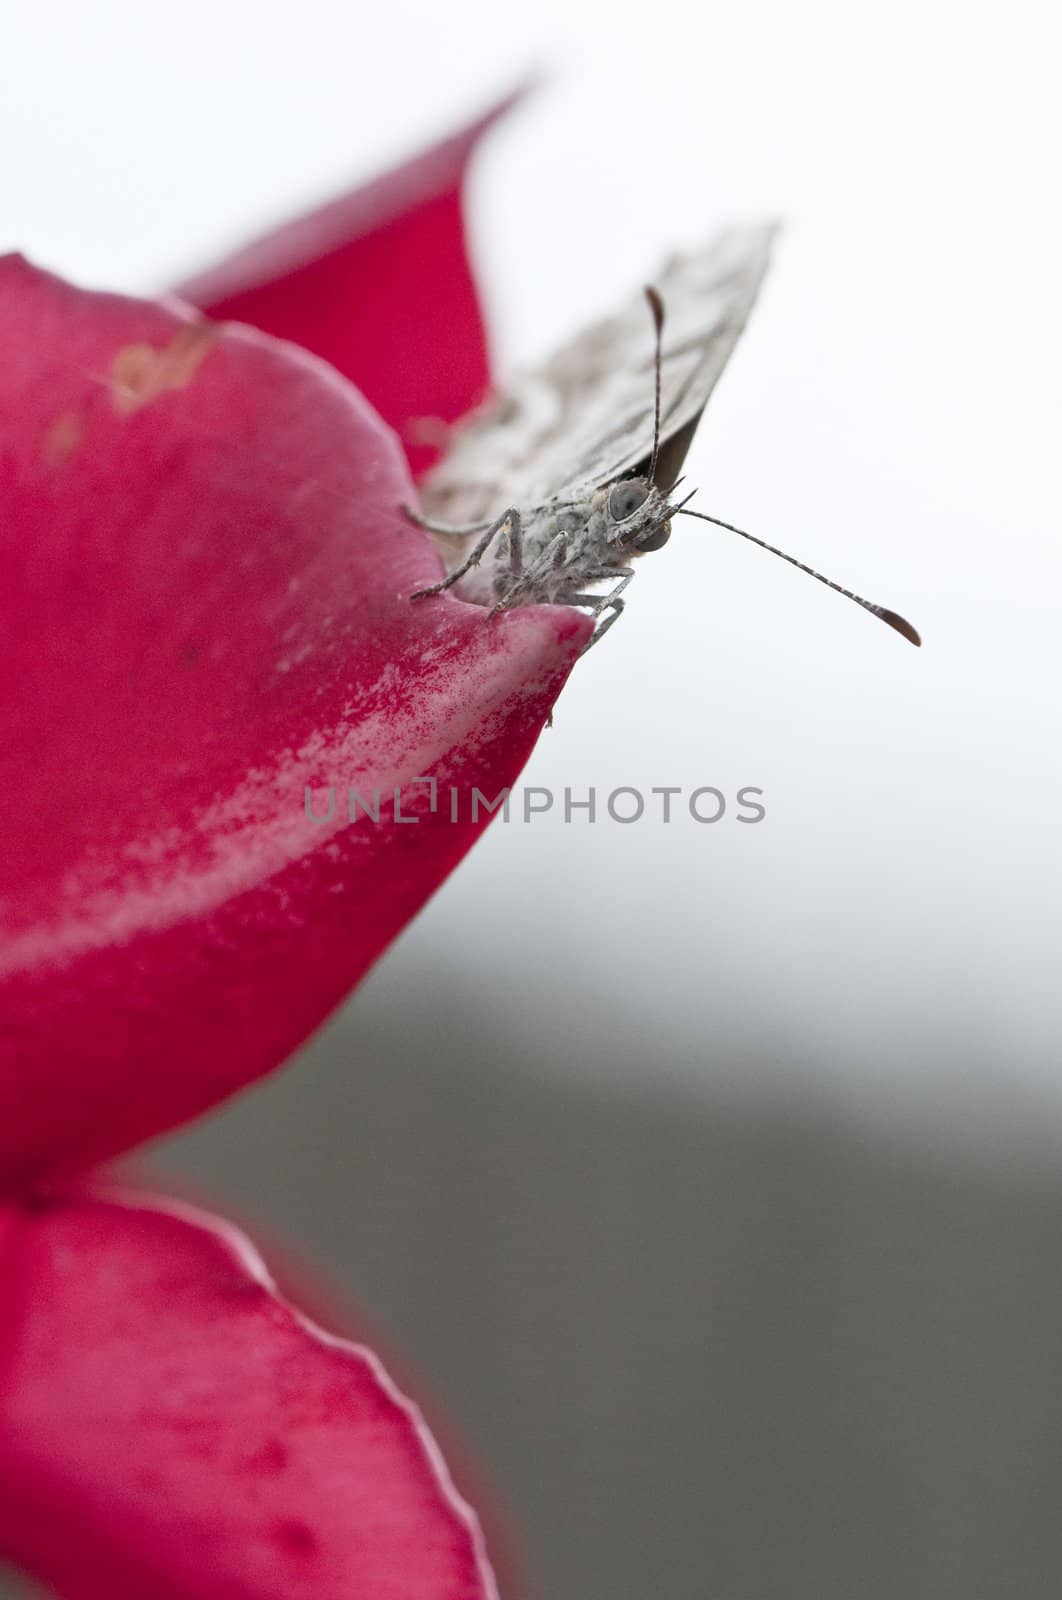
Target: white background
[[888, 937], [892, 417]]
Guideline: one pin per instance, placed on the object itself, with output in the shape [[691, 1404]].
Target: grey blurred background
[[703, 1346], [707, 1176]]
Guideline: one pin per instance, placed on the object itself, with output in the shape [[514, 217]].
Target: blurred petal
[[206, 586], [378, 283], [170, 1427]]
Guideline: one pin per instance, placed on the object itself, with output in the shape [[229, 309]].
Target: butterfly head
[[638, 516]]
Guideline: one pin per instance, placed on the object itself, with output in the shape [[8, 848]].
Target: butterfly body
[[558, 552]]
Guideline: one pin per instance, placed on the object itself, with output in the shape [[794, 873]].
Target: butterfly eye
[[655, 539], [626, 498]]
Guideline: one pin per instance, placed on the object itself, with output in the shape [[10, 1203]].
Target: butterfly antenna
[[900, 624], [656, 306]]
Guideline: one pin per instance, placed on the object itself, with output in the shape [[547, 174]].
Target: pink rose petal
[[206, 610], [171, 1428]]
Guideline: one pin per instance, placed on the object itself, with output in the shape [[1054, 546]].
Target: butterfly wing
[[586, 417]]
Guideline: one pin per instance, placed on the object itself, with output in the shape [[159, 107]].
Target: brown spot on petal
[[273, 1457], [61, 439], [140, 372], [296, 1537]]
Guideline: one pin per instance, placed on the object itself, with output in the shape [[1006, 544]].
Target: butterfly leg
[[610, 602], [441, 527], [516, 563], [616, 608], [509, 520]]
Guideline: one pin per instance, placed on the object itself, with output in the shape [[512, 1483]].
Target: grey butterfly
[[550, 492]]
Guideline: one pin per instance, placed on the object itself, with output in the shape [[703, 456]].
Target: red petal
[[378, 283], [170, 1427], [206, 583]]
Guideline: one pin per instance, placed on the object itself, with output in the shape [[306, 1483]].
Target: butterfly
[[551, 491]]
